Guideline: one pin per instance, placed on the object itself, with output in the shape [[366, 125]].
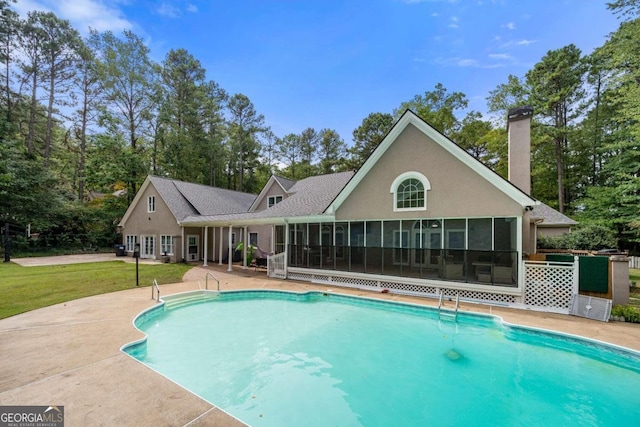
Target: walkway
[[69, 354]]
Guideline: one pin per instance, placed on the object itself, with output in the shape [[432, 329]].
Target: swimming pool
[[274, 358]]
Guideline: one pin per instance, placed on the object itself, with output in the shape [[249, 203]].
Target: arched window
[[410, 192]]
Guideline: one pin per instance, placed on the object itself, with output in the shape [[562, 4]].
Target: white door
[[148, 249], [193, 248]]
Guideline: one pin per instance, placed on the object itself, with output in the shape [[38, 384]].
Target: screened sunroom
[[471, 250]]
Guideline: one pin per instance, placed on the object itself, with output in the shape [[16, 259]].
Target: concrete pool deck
[[69, 354]]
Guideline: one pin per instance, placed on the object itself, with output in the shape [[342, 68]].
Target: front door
[[148, 249], [193, 248]]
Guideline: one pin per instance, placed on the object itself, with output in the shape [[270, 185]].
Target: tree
[[289, 152], [189, 117], [331, 151], [32, 38], [9, 27], [437, 108], [59, 54], [309, 140], [625, 8], [88, 95], [555, 88], [368, 136], [244, 125], [128, 77], [506, 96]]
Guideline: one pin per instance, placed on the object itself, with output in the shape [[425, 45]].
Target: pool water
[[283, 359]]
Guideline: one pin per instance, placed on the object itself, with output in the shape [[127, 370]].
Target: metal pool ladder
[[206, 281], [454, 315]]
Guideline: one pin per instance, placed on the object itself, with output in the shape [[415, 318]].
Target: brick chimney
[[519, 130]]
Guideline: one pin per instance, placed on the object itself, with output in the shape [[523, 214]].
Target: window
[[166, 245], [151, 204], [274, 199], [410, 192], [253, 239], [130, 242]]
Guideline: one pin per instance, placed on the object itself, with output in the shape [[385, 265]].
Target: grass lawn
[[28, 288]]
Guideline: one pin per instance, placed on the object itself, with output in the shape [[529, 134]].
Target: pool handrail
[[206, 281], [441, 303], [155, 285]]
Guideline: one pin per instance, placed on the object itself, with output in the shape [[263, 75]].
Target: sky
[[330, 63]]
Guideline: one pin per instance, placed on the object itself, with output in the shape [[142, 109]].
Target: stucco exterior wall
[[456, 190], [161, 222], [273, 190]]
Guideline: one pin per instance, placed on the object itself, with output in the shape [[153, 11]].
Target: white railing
[[275, 266], [550, 286], [634, 262]]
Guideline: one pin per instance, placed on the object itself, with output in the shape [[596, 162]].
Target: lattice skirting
[[401, 287], [549, 286]]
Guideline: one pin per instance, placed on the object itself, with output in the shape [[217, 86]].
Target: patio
[[69, 354]]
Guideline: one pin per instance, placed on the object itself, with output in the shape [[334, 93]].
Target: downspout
[[182, 244]]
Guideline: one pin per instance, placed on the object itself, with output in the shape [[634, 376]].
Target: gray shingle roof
[[186, 199], [550, 216], [310, 196], [286, 183]]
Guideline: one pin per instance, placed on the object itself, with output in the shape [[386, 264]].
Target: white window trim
[[163, 243], [130, 245], [256, 233], [151, 204], [399, 180], [270, 198]]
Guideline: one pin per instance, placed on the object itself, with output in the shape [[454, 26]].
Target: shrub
[[630, 313], [587, 237]]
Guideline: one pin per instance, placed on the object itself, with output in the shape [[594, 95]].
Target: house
[[421, 214], [154, 217]]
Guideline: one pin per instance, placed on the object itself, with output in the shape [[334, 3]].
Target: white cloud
[[83, 14], [465, 63], [453, 25], [523, 42], [192, 8], [509, 26], [166, 9], [500, 56]]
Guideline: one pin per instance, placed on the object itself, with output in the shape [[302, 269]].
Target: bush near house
[[587, 237]]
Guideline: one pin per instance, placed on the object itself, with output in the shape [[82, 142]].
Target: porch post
[[244, 247], [286, 249], [272, 249], [220, 247], [206, 243], [230, 267], [182, 244]]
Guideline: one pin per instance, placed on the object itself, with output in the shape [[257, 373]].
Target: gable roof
[[309, 197], [186, 199], [547, 216], [410, 118], [284, 183]]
